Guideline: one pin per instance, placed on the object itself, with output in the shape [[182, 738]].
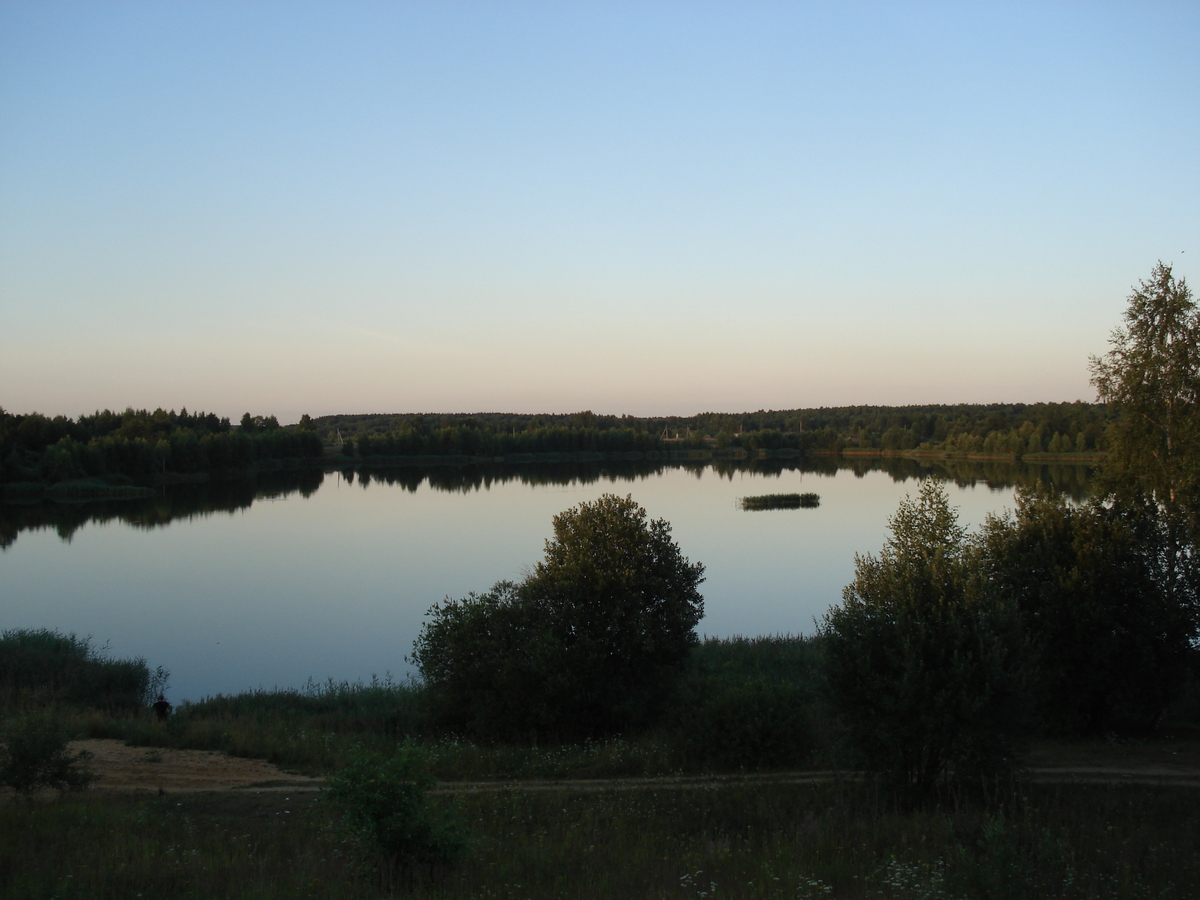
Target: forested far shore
[[138, 445], [122, 449], [1000, 429]]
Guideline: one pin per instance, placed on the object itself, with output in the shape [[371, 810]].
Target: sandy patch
[[149, 769], [153, 769]]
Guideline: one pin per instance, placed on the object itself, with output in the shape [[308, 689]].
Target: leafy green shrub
[[1113, 648], [927, 665], [590, 644], [34, 756], [384, 803], [477, 658]]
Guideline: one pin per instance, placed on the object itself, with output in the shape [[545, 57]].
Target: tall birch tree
[[1151, 379]]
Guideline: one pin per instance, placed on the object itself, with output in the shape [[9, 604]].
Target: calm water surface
[[335, 584]]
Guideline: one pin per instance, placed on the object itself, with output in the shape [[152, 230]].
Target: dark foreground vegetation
[[747, 705], [39, 668], [760, 695], [745, 841], [923, 690]]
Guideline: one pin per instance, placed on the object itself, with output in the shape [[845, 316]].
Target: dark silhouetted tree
[[1151, 379], [589, 644], [1112, 648], [926, 667]]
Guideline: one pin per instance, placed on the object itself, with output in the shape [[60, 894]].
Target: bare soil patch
[[153, 769]]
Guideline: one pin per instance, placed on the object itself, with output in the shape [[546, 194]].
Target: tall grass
[[744, 703], [751, 703], [741, 841], [315, 727], [41, 667], [758, 696], [780, 657]]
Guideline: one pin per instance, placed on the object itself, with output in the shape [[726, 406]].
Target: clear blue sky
[[651, 208]]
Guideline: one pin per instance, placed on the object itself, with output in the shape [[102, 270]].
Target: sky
[[645, 208]]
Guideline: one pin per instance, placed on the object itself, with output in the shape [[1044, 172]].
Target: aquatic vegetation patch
[[780, 501]]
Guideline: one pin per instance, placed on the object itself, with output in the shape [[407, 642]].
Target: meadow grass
[[758, 694], [714, 839], [39, 666], [745, 841], [300, 747]]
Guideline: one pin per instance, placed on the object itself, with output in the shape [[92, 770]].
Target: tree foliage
[[1112, 647], [927, 667], [588, 644], [1151, 378], [1003, 430], [138, 444], [478, 658]]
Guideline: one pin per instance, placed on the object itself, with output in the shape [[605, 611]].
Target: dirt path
[[153, 770]]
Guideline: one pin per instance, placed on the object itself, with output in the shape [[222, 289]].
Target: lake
[[304, 574]]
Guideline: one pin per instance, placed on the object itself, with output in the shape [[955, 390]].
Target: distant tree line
[[1004, 430], [472, 440], [136, 444]]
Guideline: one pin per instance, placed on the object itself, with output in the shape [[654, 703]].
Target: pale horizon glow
[[652, 209]]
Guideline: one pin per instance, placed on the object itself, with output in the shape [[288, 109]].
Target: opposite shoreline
[[84, 490]]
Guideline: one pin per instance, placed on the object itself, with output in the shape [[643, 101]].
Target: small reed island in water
[[781, 501]]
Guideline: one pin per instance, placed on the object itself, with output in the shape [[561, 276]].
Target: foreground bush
[[383, 801], [927, 667], [34, 756], [592, 643]]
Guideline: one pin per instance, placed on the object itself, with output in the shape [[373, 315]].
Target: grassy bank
[[759, 694], [748, 705], [739, 841]]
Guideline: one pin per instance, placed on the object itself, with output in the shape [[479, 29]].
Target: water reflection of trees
[[174, 503], [188, 501], [1071, 480]]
